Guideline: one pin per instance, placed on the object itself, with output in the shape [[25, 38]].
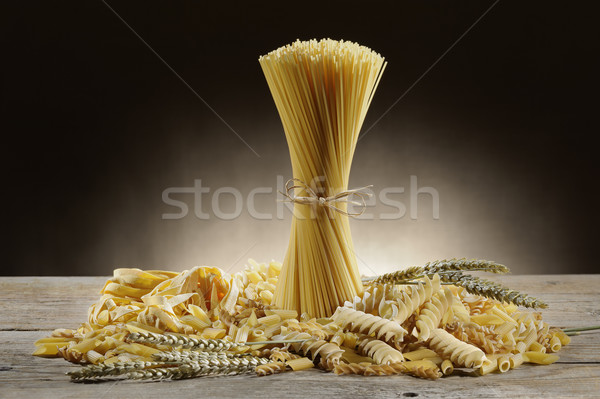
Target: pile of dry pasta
[[158, 324]]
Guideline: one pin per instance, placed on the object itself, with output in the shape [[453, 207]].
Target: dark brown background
[[95, 127]]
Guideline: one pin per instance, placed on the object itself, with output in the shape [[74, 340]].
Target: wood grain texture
[[33, 306]]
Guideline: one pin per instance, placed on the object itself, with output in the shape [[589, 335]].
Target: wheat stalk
[[489, 289], [208, 345], [199, 344], [440, 267], [450, 272], [111, 369], [186, 356], [464, 264], [212, 366]]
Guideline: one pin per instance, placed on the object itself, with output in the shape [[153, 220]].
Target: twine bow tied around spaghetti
[[328, 202]]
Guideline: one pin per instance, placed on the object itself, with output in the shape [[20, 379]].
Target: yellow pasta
[[537, 347], [503, 315], [322, 90], [483, 337], [414, 297], [361, 322], [461, 353], [350, 341], [315, 329], [432, 314], [369, 300], [270, 368], [351, 368], [564, 338], [138, 349], [515, 360], [194, 322], [539, 358], [329, 353], [54, 340], [272, 330], [94, 357], [269, 320], [85, 345], [301, 363], [530, 337], [256, 335], [555, 344], [217, 333], [488, 367], [420, 368], [338, 338], [282, 355], [447, 367], [503, 364], [284, 314], [460, 312], [351, 356], [505, 329], [486, 319], [424, 368], [419, 354], [49, 349], [274, 269], [379, 351]]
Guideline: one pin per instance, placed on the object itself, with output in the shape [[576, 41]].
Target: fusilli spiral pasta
[[415, 296], [282, 355], [351, 368], [361, 322], [483, 337], [432, 314], [420, 368], [329, 353], [379, 351], [375, 299], [459, 352], [270, 368]]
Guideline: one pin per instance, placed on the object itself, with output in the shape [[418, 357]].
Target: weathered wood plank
[[557, 380], [35, 306], [44, 303]]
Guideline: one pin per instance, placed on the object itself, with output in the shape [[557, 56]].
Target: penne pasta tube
[[49, 349], [503, 364], [515, 360], [555, 344], [537, 347], [490, 366], [134, 326], [213, 333], [302, 363], [447, 367], [539, 358], [284, 314], [269, 320], [419, 354]]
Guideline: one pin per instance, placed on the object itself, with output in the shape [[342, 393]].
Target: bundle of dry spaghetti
[[422, 321], [322, 90]]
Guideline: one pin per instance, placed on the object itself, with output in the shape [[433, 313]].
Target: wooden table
[[31, 307]]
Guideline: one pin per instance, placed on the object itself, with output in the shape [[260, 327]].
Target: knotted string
[[329, 202]]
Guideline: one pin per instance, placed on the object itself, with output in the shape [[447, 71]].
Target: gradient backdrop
[[96, 127]]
